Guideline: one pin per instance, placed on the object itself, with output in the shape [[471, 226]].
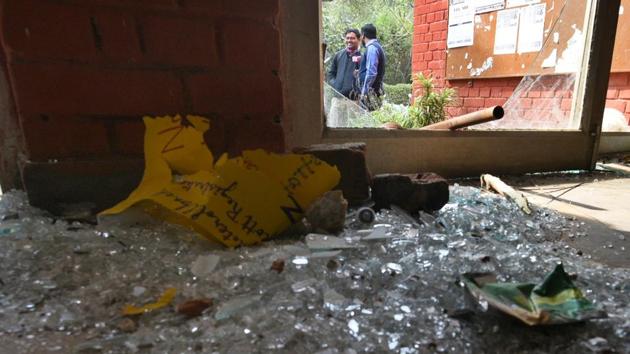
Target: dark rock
[[426, 191], [278, 265], [328, 213], [127, 325], [193, 308], [350, 160]]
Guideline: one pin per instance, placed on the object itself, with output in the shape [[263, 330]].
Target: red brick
[[455, 111], [496, 92], [135, 4], [53, 136], [430, 18], [473, 92], [38, 29], [422, 28], [420, 47], [617, 104], [249, 43], [216, 137], [437, 36], [474, 102], [179, 41], [257, 9], [525, 102], [565, 104], [440, 15], [624, 94], [437, 45], [627, 108], [438, 26], [507, 92], [462, 91], [489, 102], [421, 9], [612, 94], [437, 64], [253, 134], [419, 66], [533, 94], [484, 92], [439, 5], [119, 37], [483, 83], [493, 82], [618, 79], [69, 89], [245, 93], [549, 93], [548, 103], [127, 137], [428, 56], [628, 118]]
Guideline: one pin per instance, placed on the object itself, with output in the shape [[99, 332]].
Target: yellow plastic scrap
[[238, 201], [164, 300]]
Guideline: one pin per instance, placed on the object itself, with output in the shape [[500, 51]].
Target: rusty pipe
[[482, 116]]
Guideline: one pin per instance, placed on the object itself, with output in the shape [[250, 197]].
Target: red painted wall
[[83, 73], [429, 57]]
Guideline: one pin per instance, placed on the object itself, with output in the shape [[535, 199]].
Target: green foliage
[[398, 94], [394, 23], [429, 107], [392, 113]]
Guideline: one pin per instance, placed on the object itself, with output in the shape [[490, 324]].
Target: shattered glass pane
[[341, 112], [63, 286]]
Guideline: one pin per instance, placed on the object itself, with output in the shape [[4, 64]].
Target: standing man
[[341, 74], [372, 69]]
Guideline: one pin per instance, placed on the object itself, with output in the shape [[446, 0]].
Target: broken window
[[452, 153]]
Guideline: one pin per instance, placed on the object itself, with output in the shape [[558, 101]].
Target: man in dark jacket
[[341, 75], [372, 69]]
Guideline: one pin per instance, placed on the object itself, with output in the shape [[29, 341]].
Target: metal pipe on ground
[[474, 118]]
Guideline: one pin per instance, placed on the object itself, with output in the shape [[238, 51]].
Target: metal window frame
[[450, 153]]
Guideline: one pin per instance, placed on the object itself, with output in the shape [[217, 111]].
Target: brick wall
[[429, 57], [83, 73]]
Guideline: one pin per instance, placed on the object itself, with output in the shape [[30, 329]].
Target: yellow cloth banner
[[239, 201]]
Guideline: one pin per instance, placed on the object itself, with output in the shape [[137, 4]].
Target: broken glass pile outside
[[390, 286]]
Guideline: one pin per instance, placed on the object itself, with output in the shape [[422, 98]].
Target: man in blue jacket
[[372, 69], [341, 75]]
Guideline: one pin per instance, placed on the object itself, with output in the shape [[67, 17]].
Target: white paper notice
[[532, 28], [515, 3], [507, 31], [461, 27], [482, 6]]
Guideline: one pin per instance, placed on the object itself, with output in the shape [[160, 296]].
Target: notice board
[[507, 38]]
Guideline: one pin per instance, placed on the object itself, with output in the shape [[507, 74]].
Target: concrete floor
[[601, 199]]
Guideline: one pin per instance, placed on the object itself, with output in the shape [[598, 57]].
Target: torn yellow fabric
[[239, 201]]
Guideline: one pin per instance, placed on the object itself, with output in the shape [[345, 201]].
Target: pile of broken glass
[[389, 286]]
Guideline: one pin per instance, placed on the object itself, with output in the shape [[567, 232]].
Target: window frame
[[450, 153]]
